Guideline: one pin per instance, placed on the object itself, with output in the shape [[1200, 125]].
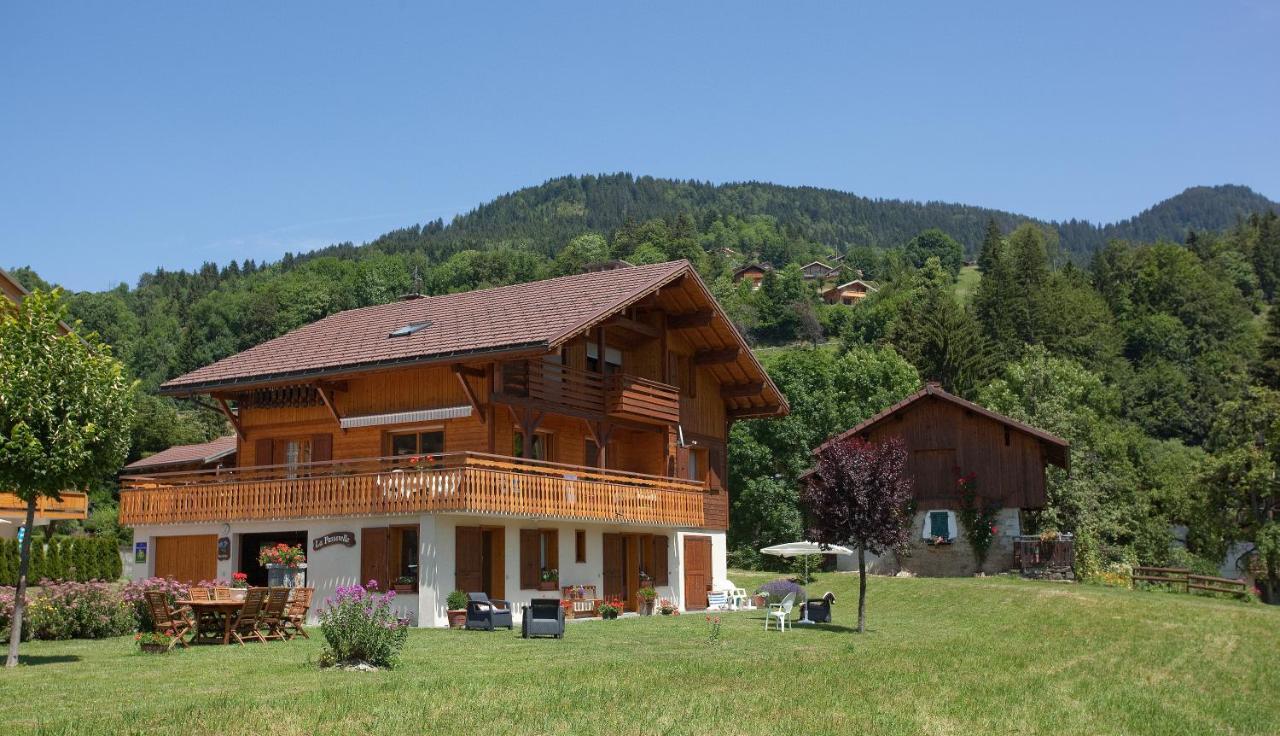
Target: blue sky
[[143, 135]]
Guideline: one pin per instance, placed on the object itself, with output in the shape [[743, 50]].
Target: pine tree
[[37, 568], [8, 562], [114, 565], [992, 243], [1268, 368]]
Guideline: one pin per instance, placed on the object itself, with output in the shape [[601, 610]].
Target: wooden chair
[[222, 594], [199, 594], [296, 615], [250, 616], [168, 618], [273, 613]]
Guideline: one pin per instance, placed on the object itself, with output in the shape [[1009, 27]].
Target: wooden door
[[189, 559], [468, 572], [375, 556], [613, 565], [496, 551], [697, 571]]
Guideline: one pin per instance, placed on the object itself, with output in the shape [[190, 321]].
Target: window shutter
[[579, 546], [682, 463], [553, 549], [262, 452], [321, 447], [660, 551], [529, 572], [374, 562]]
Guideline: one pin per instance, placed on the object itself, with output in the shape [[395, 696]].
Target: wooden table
[[227, 609]]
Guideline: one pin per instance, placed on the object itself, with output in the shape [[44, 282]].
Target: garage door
[[189, 558], [697, 571]]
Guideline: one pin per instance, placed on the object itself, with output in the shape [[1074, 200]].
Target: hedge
[[78, 559]]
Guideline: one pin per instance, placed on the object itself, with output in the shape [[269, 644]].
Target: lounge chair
[[250, 617], [780, 612], [273, 613], [717, 601], [296, 615], [543, 617], [167, 618], [487, 615]]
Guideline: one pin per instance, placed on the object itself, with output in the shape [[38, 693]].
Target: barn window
[[939, 524]]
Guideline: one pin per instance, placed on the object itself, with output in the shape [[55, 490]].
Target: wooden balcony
[[585, 393], [470, 483], [74, 505]]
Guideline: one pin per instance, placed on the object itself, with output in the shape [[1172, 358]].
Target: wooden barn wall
[[941, 436]]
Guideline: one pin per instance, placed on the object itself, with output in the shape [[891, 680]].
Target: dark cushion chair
[[543, 617], [487, 615], [819, 609]]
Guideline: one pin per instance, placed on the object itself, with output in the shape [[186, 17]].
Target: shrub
[[7, 595], [360, 628], [79, 611], [778, 589], [456, 601], [134, 594]]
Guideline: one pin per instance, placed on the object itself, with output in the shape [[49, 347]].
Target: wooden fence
[[1188, 581]]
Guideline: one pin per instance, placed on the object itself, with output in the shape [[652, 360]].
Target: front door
[[188, 558], [697, 571], [613, 560], [479, 560]]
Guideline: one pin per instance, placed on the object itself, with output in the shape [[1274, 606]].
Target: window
[[591, 453], [539, 553], [409, 329], [939, 524], [538, 449], [418, 442], [695, 463], [660, 552], [389, 554], [612, 359], [579, 546]]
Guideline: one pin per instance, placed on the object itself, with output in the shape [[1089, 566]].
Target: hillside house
[[563, 432], [948, 437], [818, 271], [850, 292], [752, 273]]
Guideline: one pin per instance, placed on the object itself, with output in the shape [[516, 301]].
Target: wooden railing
[[456, 483], [1032, 551], [1189, 581], [74, 505], [622, 395]]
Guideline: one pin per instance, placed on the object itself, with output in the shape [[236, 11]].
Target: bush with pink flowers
[[361, 628]]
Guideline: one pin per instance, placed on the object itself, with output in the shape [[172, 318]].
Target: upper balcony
[[471, 483], [73, 505], [617, 395]]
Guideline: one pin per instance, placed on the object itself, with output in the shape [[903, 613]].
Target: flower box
[[549, 585]]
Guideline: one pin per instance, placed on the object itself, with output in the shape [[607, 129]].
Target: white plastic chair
[[739, 599], [780, 611]]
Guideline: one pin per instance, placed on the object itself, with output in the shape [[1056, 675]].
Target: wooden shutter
[[374, 562], [660, 551], [529, 572], [613, 566], [579, 546], [682, 463], [715, 465], [468, 565], [262, 452], [553, 549], [321, 447]]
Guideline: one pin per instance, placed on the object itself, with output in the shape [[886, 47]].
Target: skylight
[[409, 329]]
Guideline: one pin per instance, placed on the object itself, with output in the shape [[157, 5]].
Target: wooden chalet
[[948, 437], [818, 271], [13, 511], [752, 273], [571, 429], [850, 292]]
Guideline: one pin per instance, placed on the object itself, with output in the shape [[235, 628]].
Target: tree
[[943, 340], [992, 243], [933, 243], [858, 494], [65, 407]]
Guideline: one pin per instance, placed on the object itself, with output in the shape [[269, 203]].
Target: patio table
[[226, 609]]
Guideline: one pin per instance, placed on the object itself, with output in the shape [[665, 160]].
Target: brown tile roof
[[1059, 449], [538, 314], [205, 452]]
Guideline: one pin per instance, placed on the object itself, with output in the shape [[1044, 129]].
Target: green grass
[[954, 656], [967, 283]]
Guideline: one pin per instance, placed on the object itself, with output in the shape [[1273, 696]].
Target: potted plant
[[550, 579], [646, 596], [155, 642], [407, 584], [284, 564], [239, 586], [667, 607], [456, 604], [608, 611]]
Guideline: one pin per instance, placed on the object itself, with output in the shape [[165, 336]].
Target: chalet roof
[[817, 263], [1057, 449], [761, 267], [873, 286], [204, 452], [523, 318]]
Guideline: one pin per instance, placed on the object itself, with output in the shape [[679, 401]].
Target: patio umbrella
[[804, 549]]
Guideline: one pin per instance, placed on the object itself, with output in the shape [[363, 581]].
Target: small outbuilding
[[948, 438]]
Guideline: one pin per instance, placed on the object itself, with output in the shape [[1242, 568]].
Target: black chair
[[818, 610], [487, 615], [543, 617]]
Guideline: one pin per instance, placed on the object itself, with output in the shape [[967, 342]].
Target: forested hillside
[[1158, 356]]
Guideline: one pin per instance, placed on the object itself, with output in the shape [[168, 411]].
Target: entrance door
[[188, 559], [479, 563], [697, 571], [251, 545], [613, 561]]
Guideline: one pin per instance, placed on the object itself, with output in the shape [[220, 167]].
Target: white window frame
[[951, 524]]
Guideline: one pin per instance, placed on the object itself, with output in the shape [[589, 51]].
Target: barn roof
[[203, 452], [1057, 450]]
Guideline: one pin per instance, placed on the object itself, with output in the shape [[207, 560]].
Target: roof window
[[409, 329]]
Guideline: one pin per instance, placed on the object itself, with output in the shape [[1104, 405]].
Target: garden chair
[[739, 598], [167, 618], [199, 594], [222, 594], [487, 615], [250, 616], [273, 613], [296, 615], [780, 612], [717, 601], [543, 617]]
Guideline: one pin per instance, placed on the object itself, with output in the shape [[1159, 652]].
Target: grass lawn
[[967, 283], [955, 656]]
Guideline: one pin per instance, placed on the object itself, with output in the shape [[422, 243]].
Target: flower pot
[[548, 585], [646, 607], [405, 588], [458, 618], [609, 615], [238, 594], [281, 576]]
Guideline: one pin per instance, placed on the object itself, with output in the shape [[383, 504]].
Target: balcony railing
[[453, 483], [619, 395], [74, 505]]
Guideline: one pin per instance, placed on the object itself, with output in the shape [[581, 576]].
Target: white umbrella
[[804, 549]]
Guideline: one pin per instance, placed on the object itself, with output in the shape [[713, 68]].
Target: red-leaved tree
[[858, 495]]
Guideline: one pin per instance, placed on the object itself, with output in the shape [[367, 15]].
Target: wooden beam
[[700, 318], [740, 390], [477, 409], [231, 417], [753, 411], [470, 371], [715, 357], [328, 402], [631, 325]]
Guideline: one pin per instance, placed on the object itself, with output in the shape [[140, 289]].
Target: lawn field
[[953, 656], [967, 283]]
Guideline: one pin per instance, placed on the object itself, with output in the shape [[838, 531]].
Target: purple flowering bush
[[134, 594], [360, 627], [79, 611], [778, 589], [6, 613]]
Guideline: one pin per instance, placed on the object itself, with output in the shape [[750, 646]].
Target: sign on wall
[[140, 552], [224, 548], [346, 539]]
